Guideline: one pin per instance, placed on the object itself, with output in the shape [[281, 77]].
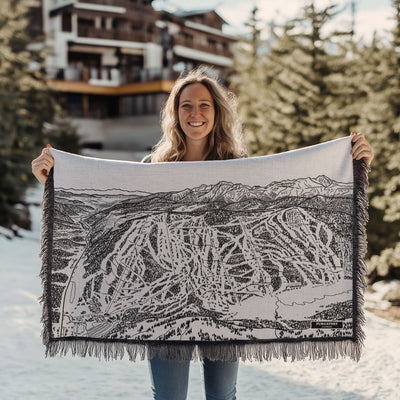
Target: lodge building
[[113, 62]]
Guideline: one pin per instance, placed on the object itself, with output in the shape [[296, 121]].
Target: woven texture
[[252, 258]]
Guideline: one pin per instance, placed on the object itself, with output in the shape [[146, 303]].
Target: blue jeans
[[170, 379]]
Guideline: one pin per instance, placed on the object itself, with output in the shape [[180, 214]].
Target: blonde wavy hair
[[225, 141]]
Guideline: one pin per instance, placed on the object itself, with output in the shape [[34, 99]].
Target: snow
[[375, 295], [26, 374], [376, 376], [202, 56]]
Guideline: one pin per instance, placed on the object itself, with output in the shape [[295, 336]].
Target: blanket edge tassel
[[46, 242]]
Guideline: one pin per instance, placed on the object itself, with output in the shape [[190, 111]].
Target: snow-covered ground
[[26, 374]]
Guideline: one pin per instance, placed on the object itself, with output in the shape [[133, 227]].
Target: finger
[[362, 154], [36, 159], [40, 172], [47, 160], [44, 157], [357, 137], [360, 140], [42, 163], [360, 145], [48, 156]]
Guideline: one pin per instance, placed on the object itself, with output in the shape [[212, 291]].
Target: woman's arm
[[361, 148], [42, 165]]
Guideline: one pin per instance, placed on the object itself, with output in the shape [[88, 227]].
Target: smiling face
[[196, 113]]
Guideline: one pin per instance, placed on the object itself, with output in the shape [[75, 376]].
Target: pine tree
[[299, 101], [26, 105], [382, 122], [247, 80]]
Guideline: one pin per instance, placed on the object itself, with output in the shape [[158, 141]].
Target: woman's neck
[[195, 151]]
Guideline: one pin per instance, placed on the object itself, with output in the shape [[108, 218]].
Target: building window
[[127, 106], [86, 22], [188, 37], [143, 104], [136, 25], [139, 105], [75, 106], [150, 104], [66, 22]]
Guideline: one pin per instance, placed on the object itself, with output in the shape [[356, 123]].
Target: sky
[[371, 15]]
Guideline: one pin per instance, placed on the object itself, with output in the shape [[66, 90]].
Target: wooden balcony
[[113, 81], [114, 34], [122, 90], [120, 3], [196, 44]]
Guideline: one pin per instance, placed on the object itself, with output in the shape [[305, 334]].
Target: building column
[[120, 106], [97, 22], [85, 105], [74, 23], [109, 21]]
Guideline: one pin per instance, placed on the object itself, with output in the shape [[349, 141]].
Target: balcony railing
[[118, 3], [106, 76], [115, 34], [198, 45]]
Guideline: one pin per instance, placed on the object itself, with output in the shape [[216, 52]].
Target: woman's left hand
[[361, 148]]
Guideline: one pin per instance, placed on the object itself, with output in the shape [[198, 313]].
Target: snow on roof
[[202, 56], [192, 13]]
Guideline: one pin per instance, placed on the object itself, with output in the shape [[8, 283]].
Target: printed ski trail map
[[253, 258]]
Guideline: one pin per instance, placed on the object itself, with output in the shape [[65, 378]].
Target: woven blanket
[[252, 258]]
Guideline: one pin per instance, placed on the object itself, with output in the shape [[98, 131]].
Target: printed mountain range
[[215, 262]]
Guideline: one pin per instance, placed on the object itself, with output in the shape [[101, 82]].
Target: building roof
[[193, 13]]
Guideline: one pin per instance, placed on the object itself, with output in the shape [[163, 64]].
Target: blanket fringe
[[46, 239], [360, 215], [288, 351]]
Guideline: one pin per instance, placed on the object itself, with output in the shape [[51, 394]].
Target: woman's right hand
[[42, 165]]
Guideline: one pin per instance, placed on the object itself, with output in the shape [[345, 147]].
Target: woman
[[199, 122]]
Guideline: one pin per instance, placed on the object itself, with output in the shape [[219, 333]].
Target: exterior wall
[[138, 133], [114, 62], [153, 56], [108, 24]]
